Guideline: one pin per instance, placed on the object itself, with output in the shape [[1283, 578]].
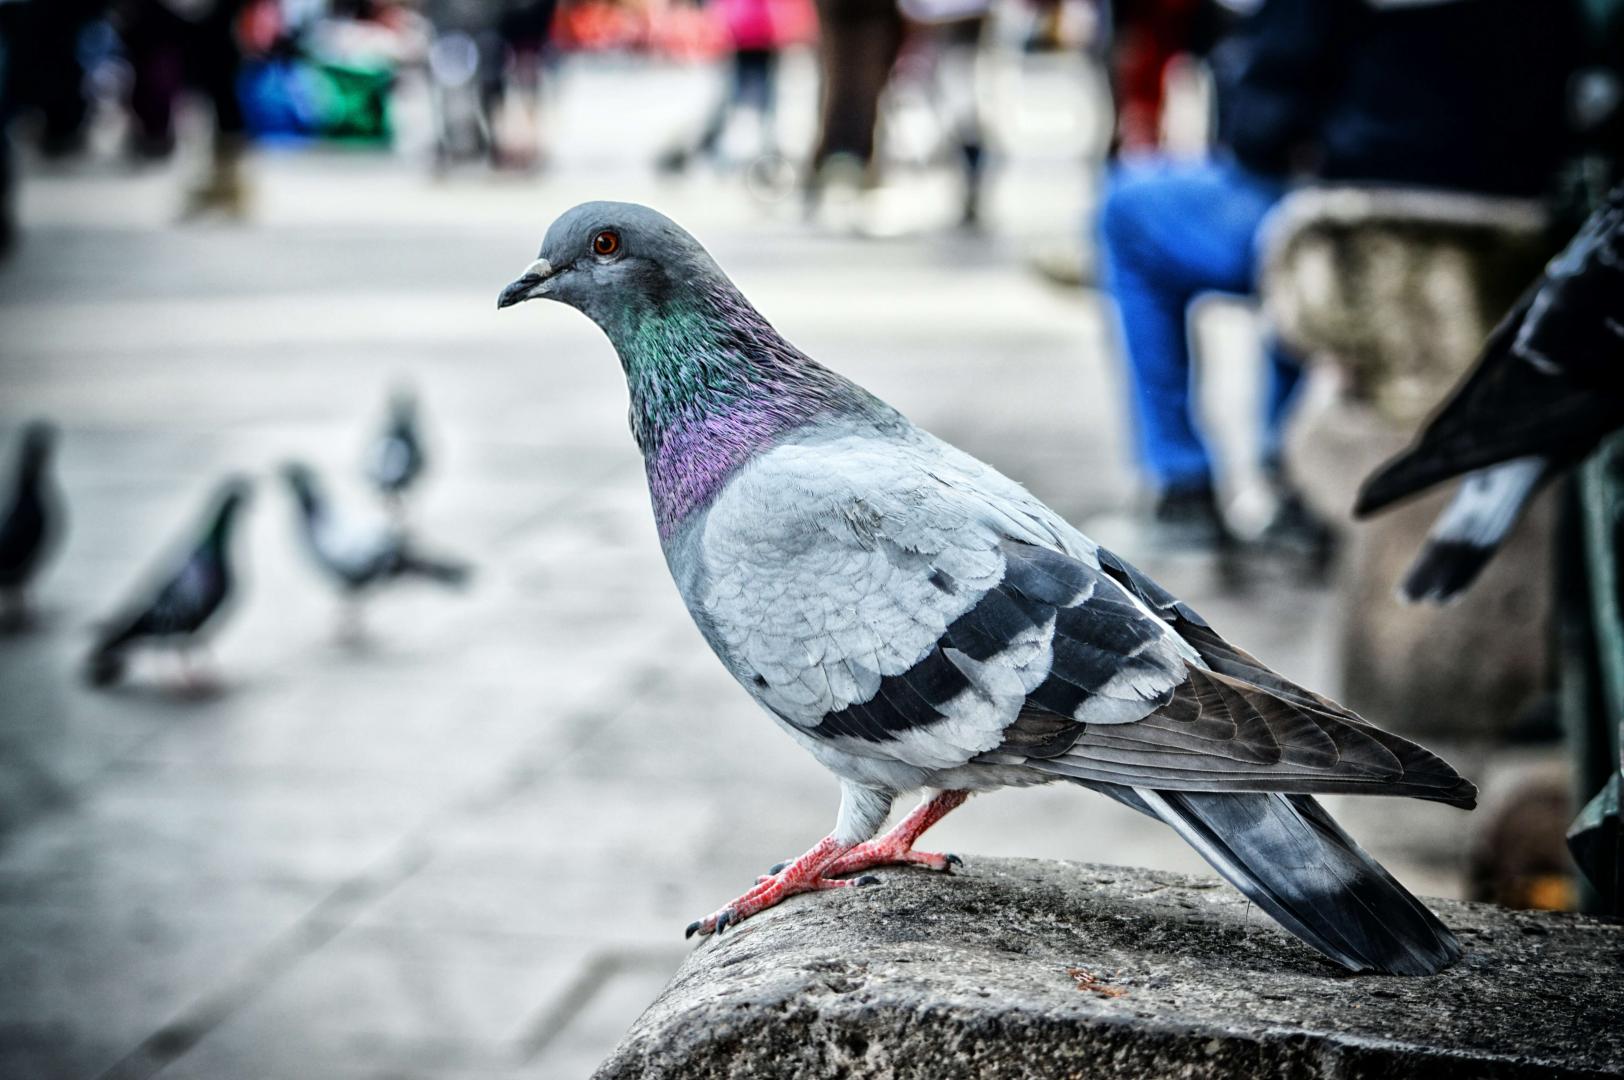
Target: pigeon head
[[712, 383], [231, 497], [38, 439], [616, 263]]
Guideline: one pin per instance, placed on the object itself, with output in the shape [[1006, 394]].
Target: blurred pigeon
[[178, 610], [1548, 387], [917, 620], [395, 460], [360, 553], [32, 520]]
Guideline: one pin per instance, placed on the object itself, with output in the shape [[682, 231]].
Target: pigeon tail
[[1287, 855], [445, 571], [1471, 529], [106, 665]]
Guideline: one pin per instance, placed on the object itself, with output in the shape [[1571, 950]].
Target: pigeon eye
[[606, 243]]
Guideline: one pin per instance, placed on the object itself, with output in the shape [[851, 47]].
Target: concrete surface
[[468, 848], [1017, 968]]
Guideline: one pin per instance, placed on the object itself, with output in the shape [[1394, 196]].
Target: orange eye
[[606, 243]]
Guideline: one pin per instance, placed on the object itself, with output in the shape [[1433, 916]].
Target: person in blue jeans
[[1465, 94], [1170, 233]]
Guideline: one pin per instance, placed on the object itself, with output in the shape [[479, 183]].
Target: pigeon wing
[[1233, 725]]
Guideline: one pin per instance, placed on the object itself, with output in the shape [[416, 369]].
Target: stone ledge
[[1019, 968]]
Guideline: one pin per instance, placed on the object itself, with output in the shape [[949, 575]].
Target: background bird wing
[[1550, 380], [180, 604], [356, 547]]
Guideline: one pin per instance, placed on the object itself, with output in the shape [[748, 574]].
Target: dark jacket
[[1463, 94]]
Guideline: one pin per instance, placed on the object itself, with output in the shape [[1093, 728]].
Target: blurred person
[[511, 91], [8, 165], [1146, 37], [1459, 94], [757, 32], [858, 42], [43, 71], [173, 45], [950, 32], [486, 67]]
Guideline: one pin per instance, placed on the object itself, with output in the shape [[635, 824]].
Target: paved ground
[[468, 848]]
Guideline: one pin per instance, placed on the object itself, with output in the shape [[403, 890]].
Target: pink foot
[[806, 874], [896, 846]]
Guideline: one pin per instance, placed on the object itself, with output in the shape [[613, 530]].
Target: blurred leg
[[1168, 234], [152, 37], [1284, 375], [216, 60], [859, 40]]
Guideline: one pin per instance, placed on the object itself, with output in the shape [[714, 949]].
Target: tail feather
[[1443, 571], [105, 666], [1293, 861], [1471, 529], [445, 571]]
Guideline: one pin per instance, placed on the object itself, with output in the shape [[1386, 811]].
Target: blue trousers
[[1170, 232]]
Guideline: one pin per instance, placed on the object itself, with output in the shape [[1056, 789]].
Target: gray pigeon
[[358, 553], [1548, 387], [918, 621], [184, 604], [396, 459], [31, 521]]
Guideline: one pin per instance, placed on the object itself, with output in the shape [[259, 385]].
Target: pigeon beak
[[528, 286]]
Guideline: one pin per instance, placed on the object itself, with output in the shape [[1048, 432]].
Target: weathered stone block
[[1020, 968]]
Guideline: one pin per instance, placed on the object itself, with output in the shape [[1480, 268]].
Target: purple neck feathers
[[713, 385]]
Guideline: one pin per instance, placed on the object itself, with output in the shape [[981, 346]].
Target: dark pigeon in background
[[186, 602], [914, 619], [31, 523], [1548, 387], [395, 459], [360, 554]]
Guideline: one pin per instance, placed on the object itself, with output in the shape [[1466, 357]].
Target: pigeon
[[360, 554], [1547, 388], [32, 520], [395, 460], [917, 621], [177, 612]]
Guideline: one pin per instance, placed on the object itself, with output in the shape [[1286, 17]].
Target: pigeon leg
[[896, 846], [191, 681], [805, 874], [351, 628], [14, 613]]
